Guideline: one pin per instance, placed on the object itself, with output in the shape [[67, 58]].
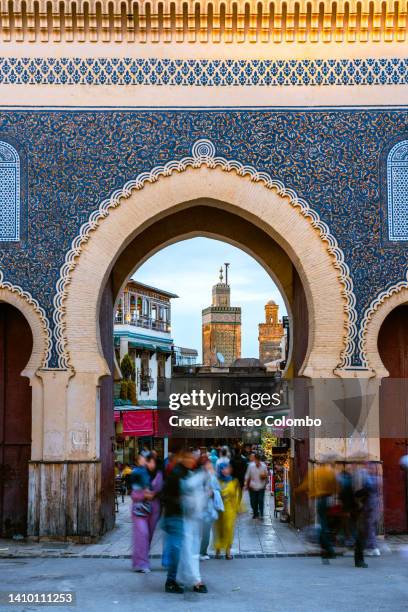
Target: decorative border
[[391, 165], [202, 154], [27, 297], [202, 72], [15, 165], [369, 312]]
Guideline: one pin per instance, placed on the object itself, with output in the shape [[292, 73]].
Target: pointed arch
[[251, 194]]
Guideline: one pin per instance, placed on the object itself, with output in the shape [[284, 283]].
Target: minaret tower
[[221, 325]]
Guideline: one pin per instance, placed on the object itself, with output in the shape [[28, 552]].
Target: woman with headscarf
[[224, 526], [147, 483]]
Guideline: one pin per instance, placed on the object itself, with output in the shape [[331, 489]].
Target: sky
[[190, 268]]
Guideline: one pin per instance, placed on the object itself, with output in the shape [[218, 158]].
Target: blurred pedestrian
[[256, 478], [223, 459], [172, 522], [225, 524], [320, 484], [126, 472], [239, 464], [372, 505], [346, 498], [214, 457], [193, 501], [146, 484], [212, 507]]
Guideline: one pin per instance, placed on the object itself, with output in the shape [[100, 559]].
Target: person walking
[[372, 510], [146, 484], [213, 505], [321, 484], [214, 457], [173, 519], [239, 464], [193, 500], [256, 478], [224, 526]]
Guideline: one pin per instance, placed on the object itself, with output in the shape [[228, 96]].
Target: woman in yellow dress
[[225, 524]]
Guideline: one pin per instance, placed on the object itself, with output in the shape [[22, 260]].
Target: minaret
[[221, 325], [270, 334]]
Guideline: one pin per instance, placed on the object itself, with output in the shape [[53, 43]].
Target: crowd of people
[[347, 506], [196, 493]]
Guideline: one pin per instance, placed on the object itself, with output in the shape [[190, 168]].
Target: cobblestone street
[[261, 538]]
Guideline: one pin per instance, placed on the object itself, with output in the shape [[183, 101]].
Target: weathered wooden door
[[15, 420], [393, 348]]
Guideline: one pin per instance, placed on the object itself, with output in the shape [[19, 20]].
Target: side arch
[[374, 317], [249, 194], [37, 319]]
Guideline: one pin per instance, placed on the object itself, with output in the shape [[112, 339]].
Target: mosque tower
[[221, 326]]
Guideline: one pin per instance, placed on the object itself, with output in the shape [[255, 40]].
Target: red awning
[[138, 423], [116, 414]]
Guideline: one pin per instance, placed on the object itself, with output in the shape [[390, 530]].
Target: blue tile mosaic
[[332, 159], [203, 72]]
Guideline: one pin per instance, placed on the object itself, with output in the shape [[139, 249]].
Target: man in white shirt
[[256, 478]]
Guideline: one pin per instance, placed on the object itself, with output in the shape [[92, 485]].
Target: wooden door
[[393, 348], [15, 420]]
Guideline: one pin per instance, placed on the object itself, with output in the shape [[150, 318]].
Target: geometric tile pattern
[[76, 158], [203, 72], [397, 189], [9, 193]]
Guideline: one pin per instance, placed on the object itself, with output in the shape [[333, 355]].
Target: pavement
[[253, 538], [297, 584]]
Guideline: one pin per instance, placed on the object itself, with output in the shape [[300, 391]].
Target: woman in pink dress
[[146, 487]]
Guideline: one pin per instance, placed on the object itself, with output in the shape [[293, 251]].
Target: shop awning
[[164, 349], [138, 423], [116, 414], [142, 345]]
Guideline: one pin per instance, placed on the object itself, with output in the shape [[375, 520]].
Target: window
[[397, 186], [9, 193]]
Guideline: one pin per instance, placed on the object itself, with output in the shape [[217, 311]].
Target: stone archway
[[385, 342], [176, 189], [37, 319], [24, 344], [375, 316], [266, 208]]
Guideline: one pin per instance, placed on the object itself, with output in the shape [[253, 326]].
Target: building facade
[[142, 330], [271, 334], [221, 326], [184, 357], [281, 128]]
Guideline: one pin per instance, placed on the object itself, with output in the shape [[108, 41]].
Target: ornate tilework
[[202, 72], [9, 193], [332, 159], [397, 188], [203, 153]]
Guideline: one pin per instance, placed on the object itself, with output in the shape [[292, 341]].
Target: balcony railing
[[144, 322]]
